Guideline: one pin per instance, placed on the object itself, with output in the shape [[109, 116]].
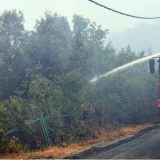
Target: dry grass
[[60, 152]]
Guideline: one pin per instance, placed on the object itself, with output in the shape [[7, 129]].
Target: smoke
[[123, 67]]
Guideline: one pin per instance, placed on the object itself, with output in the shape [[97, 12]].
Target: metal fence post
[[45, 130]]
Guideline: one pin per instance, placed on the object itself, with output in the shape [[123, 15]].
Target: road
[[146, 146]]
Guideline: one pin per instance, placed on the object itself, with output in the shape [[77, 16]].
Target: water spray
[[123, 67], [152, 59]]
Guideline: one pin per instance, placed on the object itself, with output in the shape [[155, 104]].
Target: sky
[[34, 9]]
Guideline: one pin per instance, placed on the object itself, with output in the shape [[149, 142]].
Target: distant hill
[[142, 37]]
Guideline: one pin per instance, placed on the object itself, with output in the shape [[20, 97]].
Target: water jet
[[123, 67]]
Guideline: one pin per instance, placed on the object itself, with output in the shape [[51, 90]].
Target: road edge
[[112, 144]]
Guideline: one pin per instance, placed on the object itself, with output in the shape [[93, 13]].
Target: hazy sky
[[34, 9]]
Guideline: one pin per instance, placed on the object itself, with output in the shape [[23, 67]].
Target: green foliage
[[88, 40], [47, 71], [14, 146], [45, 97]]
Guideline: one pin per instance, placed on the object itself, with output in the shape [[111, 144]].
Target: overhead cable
[[124, 14]]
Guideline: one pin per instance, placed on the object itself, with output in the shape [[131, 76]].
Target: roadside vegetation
[[47, 72], [103, 138]]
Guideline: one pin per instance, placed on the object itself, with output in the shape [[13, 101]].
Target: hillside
[[142, 37]]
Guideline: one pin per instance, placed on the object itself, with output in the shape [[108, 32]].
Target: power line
[[124, 14]]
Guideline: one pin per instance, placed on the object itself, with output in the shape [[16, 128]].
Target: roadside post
[[45, 130], [43, 125]]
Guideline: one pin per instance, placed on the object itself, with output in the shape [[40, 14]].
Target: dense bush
[[47, 72]]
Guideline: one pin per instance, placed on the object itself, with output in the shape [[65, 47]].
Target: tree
[[88, 41], [51, 47], [126, 55], [11, 35], [78, 94]]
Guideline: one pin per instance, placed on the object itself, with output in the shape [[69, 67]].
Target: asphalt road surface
[[146, 146]]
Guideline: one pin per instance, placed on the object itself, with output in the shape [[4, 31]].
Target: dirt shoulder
[[103, 138]]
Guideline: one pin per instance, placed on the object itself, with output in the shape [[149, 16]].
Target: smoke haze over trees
[[47, 71], [142, 37]]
